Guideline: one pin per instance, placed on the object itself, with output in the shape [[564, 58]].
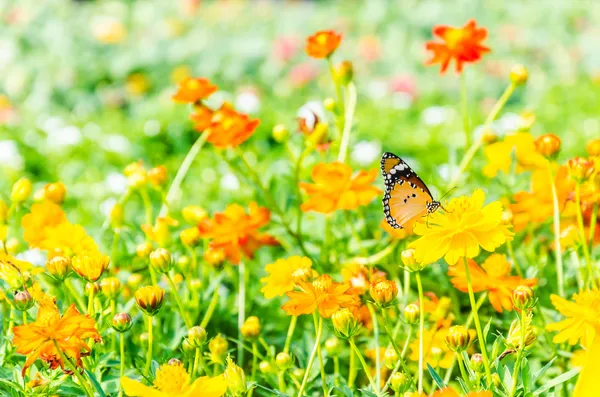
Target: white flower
[[365, 152]]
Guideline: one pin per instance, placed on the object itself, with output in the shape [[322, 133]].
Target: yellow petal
[[134, 388], [207, 387], [589, 381]]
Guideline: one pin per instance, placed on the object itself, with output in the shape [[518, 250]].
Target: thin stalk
[[326, 242], [90, 308], [186, 320], [515, 376], [377, 353], [399, 363], [511, 253], [461, 366], [149, 352], [241, 310], [321, 364], [348, 116], [74, 294], [24, 318], [182, 172], [556, 223], [197, 354], [480, 337], [73, 367], [421, 329], [365, 366], [311, 359], [340, 105], [254, 365], [290, 333], [122, 364], [399, 352], [584, 245], [593, 221], [211, 307], [352, 369], [464, 109]]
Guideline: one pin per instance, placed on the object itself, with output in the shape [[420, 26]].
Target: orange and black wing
[[406, 195]]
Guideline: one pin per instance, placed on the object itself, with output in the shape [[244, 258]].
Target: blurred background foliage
[[86, 86]]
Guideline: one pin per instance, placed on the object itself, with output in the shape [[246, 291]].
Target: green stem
[[186, 320], [421, 329], [90, 308], [586, 252], [211, 307], [24, 318], [348, 116], [326, 241], [290, 333], [365, 366], [593, 221], [464, 108], [241, 310], [556, 223], [147, 206], [352, 369], [311, 360], [461, 366], [464, 164], [321, 364], [197, 354], [399, 363], [340, 105], [515, 376], [74, 294], [149, 352], [399, 352], [480, 336], [377, 353], [122, 364], [182, 171], [73, 367], [511, 253]]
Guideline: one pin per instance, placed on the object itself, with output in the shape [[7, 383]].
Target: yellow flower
[[150, 299], [435, 350], [15, 272], [465, 227], [281, 275], [160, 233], [500, 154], [583, 318], [174, 381], [90, 265], [588, 383]]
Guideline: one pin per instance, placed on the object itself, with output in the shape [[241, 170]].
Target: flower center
[[171, 379], [454, 38]]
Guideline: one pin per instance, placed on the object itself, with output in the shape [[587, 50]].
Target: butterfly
[[406, 195]]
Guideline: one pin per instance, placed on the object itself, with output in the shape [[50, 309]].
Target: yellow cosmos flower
[[174, 381], [90, 265], [588, 383], [160, 232], [465, 227], [500, 155], [583, 318], [15, 272], [281, 277]]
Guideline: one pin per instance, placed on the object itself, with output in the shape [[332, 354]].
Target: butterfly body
[[406, 195]]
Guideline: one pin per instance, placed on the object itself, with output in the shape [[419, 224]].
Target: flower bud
[[150, 299], [390, 357], [12, 245], [217, 348], [110, 286], [477, 363], [344, 323], [144, 339], [134, 280], [194, 214], [117, 216], [298, 373], [523, 297], [59, 267], [190, 237], [21, 191], [143, 250], [280, 133], [496, 380], [187, 347], [593, 147], [174, 361], [234, 377], [23, 301], [383, 292], [157, 175], [343, 72], [55, 192], [214, 257], [548, 145], [284, 361], [409, 260], [197, 336], [459, 338], [122, 322], [303, 274], [399, 383], [580, 168], [90, 266], [329, 104], [196, 284], [333, 346], [318, 135], [519, 74], [251, 327], [489, 136], [161, 260], [412, 313], [182, 264], [513, 339], [89, 286], [265, 367]]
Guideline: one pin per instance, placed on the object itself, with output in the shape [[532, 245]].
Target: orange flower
[[396, 234], [229, 128], [323, 43], [50, 330], [202, 118], [193, 90], [461, 44], [336, 189], [236, 232], [493, 276], [448, 392], [360, 277], [42, 216], [323, 294]]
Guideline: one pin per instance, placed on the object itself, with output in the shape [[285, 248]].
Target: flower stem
[[211, 307], [557, 248], [90, 308], [584, 245], [73, 367], [348, 116], [421, 328], [321, 364], [515, 376], [480, 336], [186, 320], [593, 221], [400, 354], [311, 359], [377, 353], [24, 318], [149, 352], [74, 294], [197, 354], [468, 157], [464, 109], [352, 369], [290, 333], [182, 171], [401, 362], [122, 370], [340, 105], [365, 366], [461, 366], [241, 310]]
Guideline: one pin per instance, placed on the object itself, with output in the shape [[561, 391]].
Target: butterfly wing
[[406, 195]]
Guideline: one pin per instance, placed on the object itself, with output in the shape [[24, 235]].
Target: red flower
[[461, 44], [323, 43], [193, 90]]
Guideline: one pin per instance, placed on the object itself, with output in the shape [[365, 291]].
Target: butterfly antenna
[[445, 194]]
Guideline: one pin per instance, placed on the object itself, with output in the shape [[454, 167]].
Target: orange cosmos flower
[[493, 276], [229, 128], [202, 118], [323, 294], [50, 330], [41, 217], [336, 189], [461, 44], [236, 232], [323, 43], [193, 90], [360, 277]]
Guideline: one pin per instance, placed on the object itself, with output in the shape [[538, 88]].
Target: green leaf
[[542, 371], [463, 385], [557, 381], [436, 377], [526, 374], [95, 383]]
